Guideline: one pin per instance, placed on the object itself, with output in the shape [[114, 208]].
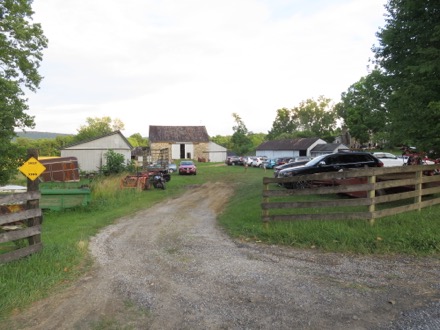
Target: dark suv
[[332, 163], [234, 160]]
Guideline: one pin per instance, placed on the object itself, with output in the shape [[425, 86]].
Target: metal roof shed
[[91, 153]]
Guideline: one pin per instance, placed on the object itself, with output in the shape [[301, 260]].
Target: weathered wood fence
[[380, 192], [20, 222]]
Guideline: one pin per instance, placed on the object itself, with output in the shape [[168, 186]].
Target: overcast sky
[[195, 62]]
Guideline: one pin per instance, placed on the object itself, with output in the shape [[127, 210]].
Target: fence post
[[371, 196], [265, 211], [33, 185], [418, 188]]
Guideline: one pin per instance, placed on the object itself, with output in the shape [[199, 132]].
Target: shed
[[91, 154], [288, 147], [182, 142], [328, 148], [216, 153]]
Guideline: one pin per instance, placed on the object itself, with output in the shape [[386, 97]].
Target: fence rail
[[378, 192], [20, 225]]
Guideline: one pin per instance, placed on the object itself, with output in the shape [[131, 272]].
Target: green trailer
[[59, 199]]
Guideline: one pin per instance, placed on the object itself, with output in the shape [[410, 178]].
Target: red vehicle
[[187, 167]]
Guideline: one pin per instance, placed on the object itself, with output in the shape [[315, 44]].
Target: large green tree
[[317, 116], [409, 55], [21, 50], [363, 108], [285, 123], [97, 127], [310, 118]]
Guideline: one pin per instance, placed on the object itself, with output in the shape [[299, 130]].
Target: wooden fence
[[379, 192], [20, 225]]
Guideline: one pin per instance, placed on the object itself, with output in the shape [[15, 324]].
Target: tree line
[[396, 103]]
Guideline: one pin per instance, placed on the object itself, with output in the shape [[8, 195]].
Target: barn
[[185, 142], [91, 153]]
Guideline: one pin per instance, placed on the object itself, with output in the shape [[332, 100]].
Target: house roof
[[100, 137], [329, 147], [178, 134], [288, 144]]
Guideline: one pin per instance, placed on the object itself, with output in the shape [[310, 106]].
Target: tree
[[318, 117], [285, 123], [309, 118], [241, 143], [21, 51], [136, 140], [363, 108], [409, 53], [97, 127]]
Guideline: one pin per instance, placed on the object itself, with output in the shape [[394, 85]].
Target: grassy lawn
[[66, 233]]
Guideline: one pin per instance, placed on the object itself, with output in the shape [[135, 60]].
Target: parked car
[[258, 161], [300, 159], [233, 160], [284, 160], [247, 160], [270, 163], [277, 169], [187, 167], [172, 168], [332, 163], [389, 159]]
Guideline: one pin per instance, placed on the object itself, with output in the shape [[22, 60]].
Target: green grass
[[66, 234]]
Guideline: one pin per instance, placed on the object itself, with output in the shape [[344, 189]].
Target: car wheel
[[170, 170], [303, 184]]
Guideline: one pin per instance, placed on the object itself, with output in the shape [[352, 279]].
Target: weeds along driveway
[[171, 267]]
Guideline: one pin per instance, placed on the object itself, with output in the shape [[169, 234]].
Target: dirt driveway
[[171, 267]]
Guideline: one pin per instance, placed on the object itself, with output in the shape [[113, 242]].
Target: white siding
[[91, 154], [216, 153], [278, 153]]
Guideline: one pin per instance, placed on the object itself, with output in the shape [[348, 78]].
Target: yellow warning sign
[[32, 169]]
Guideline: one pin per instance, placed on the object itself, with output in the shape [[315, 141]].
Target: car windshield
[[186, 163], [315, 160]]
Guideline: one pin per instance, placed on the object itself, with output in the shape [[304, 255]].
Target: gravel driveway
[[171, 267]]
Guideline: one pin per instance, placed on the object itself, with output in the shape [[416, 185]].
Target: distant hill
[[40, 135]]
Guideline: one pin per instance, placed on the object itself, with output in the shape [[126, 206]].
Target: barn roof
[[100, 137], [178, 134], [329, 147], [288, 144]]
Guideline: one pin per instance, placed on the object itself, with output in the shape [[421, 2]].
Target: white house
[[91, 154]]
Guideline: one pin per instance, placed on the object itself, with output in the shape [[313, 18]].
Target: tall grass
[[65, 234]]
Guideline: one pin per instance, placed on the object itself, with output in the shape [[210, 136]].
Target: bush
[[115, 163]]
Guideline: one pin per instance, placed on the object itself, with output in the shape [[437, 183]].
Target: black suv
[[332, 163]]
